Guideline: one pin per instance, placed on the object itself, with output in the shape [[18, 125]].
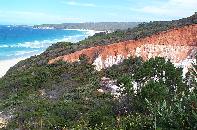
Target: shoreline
[[91, 32], [6, 64]]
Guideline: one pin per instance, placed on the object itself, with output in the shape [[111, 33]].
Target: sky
[[31, 12]]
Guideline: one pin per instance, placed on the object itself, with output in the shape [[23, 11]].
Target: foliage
[[153, 93], [64, 95]]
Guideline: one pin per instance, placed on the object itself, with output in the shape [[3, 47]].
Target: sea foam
[[38, 47], [44, 43]]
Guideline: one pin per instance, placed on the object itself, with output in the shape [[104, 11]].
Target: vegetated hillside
[[100, 26], [64, 95], [141, 31]]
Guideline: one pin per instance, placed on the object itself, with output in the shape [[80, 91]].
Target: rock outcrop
[[177, 44]]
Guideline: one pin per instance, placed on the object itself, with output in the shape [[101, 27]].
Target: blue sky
[[62, 11]]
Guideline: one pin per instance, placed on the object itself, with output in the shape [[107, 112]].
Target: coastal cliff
[[62, 89], [176, 44]]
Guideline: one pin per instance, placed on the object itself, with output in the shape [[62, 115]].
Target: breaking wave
[[44, 43], [20, 51]]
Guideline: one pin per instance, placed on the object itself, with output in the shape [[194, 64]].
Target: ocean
[[20, 42]]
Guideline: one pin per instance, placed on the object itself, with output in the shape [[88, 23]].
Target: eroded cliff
[[177, 44]]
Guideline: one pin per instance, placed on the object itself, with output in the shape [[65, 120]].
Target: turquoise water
[[25, 41]]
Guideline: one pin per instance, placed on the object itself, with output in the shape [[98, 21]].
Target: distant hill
[[100, 26]]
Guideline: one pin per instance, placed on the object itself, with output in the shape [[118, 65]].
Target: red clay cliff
[[176, 44]]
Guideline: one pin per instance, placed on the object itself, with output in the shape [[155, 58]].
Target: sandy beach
[[6, 64]]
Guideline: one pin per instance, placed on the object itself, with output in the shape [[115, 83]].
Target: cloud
[[172, 8], [74, 3]]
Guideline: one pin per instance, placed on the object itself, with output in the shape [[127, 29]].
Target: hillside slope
[[177, 44], [141, 31], [44, 92]]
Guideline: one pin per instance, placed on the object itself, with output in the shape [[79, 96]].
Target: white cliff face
[[171, 52], [98, 63], [138, 51], [113, 60], [108, 62]]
